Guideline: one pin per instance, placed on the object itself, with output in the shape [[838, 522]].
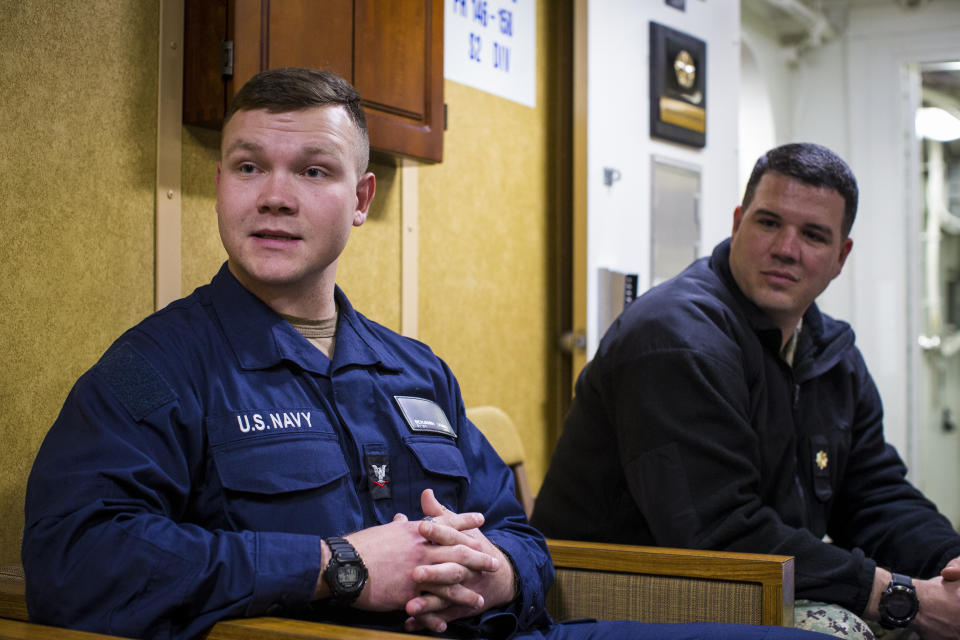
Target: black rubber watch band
[[898, 603], [345, 574]]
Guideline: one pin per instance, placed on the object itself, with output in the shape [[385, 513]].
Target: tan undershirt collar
[[321, 333], [790, 349]]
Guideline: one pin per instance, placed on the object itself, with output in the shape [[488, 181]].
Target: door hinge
[[226, 59]]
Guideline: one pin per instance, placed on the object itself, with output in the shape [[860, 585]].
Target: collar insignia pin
[[822, 460]]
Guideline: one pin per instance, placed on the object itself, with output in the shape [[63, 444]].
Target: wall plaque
[[678, 86]]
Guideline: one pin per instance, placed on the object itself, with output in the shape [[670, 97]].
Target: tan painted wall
[[78, 96], [483, 244], [487, 229], [77, 172], [201, 253]]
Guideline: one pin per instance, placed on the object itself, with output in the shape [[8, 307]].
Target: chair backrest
[[659, 584], [502, 433]]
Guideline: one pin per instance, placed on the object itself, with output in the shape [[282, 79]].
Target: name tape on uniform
[[424, 416]]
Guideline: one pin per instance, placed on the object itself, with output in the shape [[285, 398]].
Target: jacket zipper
[[795, 402]]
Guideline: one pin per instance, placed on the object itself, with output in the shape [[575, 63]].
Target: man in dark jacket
[[723, 410]]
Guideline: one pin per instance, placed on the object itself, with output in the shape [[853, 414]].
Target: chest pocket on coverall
[[292, 482], [442, 468]]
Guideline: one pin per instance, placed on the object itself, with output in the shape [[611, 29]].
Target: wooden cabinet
[[391, 50]]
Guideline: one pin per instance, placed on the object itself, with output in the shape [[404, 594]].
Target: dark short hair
[[294, 89], [814, 165]]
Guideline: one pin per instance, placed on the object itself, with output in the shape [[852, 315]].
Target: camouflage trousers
[[836, 621]]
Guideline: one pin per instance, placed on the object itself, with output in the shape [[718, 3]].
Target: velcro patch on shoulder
[[136, 383]]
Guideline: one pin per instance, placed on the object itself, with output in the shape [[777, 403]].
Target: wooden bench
[[604, 581]]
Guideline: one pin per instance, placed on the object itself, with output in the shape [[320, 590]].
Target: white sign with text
[[491, 45]]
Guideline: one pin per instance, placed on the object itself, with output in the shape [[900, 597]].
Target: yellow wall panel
[[77, 169], [369, 269], [483, 251], [486, 244], [201, 253]]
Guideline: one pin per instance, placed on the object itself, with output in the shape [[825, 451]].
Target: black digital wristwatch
[[345, 573]]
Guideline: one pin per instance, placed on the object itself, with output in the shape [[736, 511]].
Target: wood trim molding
[[288, 629], [409, 246], [579, 231], [13, 599], [168, 198], [22, 630]]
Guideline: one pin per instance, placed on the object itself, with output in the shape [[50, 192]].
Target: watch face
[[348, 576], [899, 604]]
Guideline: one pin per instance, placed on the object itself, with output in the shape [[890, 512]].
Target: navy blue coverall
[[194, 470]]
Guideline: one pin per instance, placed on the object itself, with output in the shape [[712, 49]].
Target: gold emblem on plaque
[[822, 460], [685, 69]]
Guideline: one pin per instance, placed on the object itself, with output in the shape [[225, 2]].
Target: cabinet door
[[398, 69], [204, 91], [391, 50], [308, 33], [268, 34]]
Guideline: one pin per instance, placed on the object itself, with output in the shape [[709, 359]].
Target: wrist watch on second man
[[345, 573], [898, 603]]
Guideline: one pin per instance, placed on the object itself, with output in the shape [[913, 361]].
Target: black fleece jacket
[[689, 430]]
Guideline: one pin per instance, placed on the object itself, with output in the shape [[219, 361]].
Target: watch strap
[[900, 586], [342, 553]]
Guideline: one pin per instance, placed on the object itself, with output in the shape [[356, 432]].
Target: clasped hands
[[939, 617], [437, 569]]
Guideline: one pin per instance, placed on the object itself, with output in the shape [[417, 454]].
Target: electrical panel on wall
[[615, 291]]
